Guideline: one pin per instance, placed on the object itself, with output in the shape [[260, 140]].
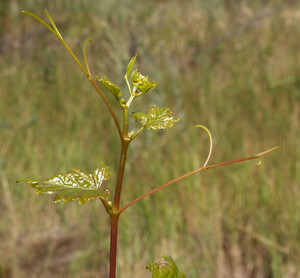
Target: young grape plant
[[77, 185]]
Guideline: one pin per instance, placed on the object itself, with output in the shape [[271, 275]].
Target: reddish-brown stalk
[[192, 173]]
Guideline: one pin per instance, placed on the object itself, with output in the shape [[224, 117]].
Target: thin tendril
[[53, 24], [210, 143], [84, 56], [263, 153], [42, 21], [267, 151]]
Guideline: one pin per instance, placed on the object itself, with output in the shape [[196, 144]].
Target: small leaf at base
[[167, 268]]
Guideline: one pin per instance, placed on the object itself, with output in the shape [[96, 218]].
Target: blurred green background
[[233, 66]]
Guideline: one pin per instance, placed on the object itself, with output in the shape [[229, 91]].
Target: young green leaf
[[74, 185], [142, 83], [130, 65], [115, 90], [140, 116], [165, 269], [156, 118]]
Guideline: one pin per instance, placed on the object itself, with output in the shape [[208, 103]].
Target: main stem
[[119, 183], [114, 214], [114, 220]]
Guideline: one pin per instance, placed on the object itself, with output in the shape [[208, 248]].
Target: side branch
[[258, 156], [85, 69]]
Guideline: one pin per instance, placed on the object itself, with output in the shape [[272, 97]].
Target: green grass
[[244, 86]]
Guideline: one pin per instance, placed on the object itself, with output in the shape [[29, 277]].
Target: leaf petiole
[[137, 133], [128, 85], [130, 100]]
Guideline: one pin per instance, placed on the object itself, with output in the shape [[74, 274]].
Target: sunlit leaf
[[130, 65], [74, 185], [115, 90], [165, 269], [156, 118], [142, 82]]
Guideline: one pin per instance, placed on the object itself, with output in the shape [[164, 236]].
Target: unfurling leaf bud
[[142, 83], [130, 65]]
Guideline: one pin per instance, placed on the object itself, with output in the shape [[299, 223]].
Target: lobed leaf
[[74, 185], [115, 90], [156, 118], [165, 269], [142, 82]]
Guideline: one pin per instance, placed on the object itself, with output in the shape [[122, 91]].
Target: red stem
[[114, 213], [114, 220]]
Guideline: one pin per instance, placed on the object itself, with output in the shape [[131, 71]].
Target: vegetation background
[[233, 66]]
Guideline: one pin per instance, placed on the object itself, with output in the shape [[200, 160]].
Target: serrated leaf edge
[[60, 189]]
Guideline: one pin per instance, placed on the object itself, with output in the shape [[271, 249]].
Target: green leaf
[[74, 185], [156, 118], [130, 65], [115, 90], [142, 83], [165, 269], [140, 116]]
